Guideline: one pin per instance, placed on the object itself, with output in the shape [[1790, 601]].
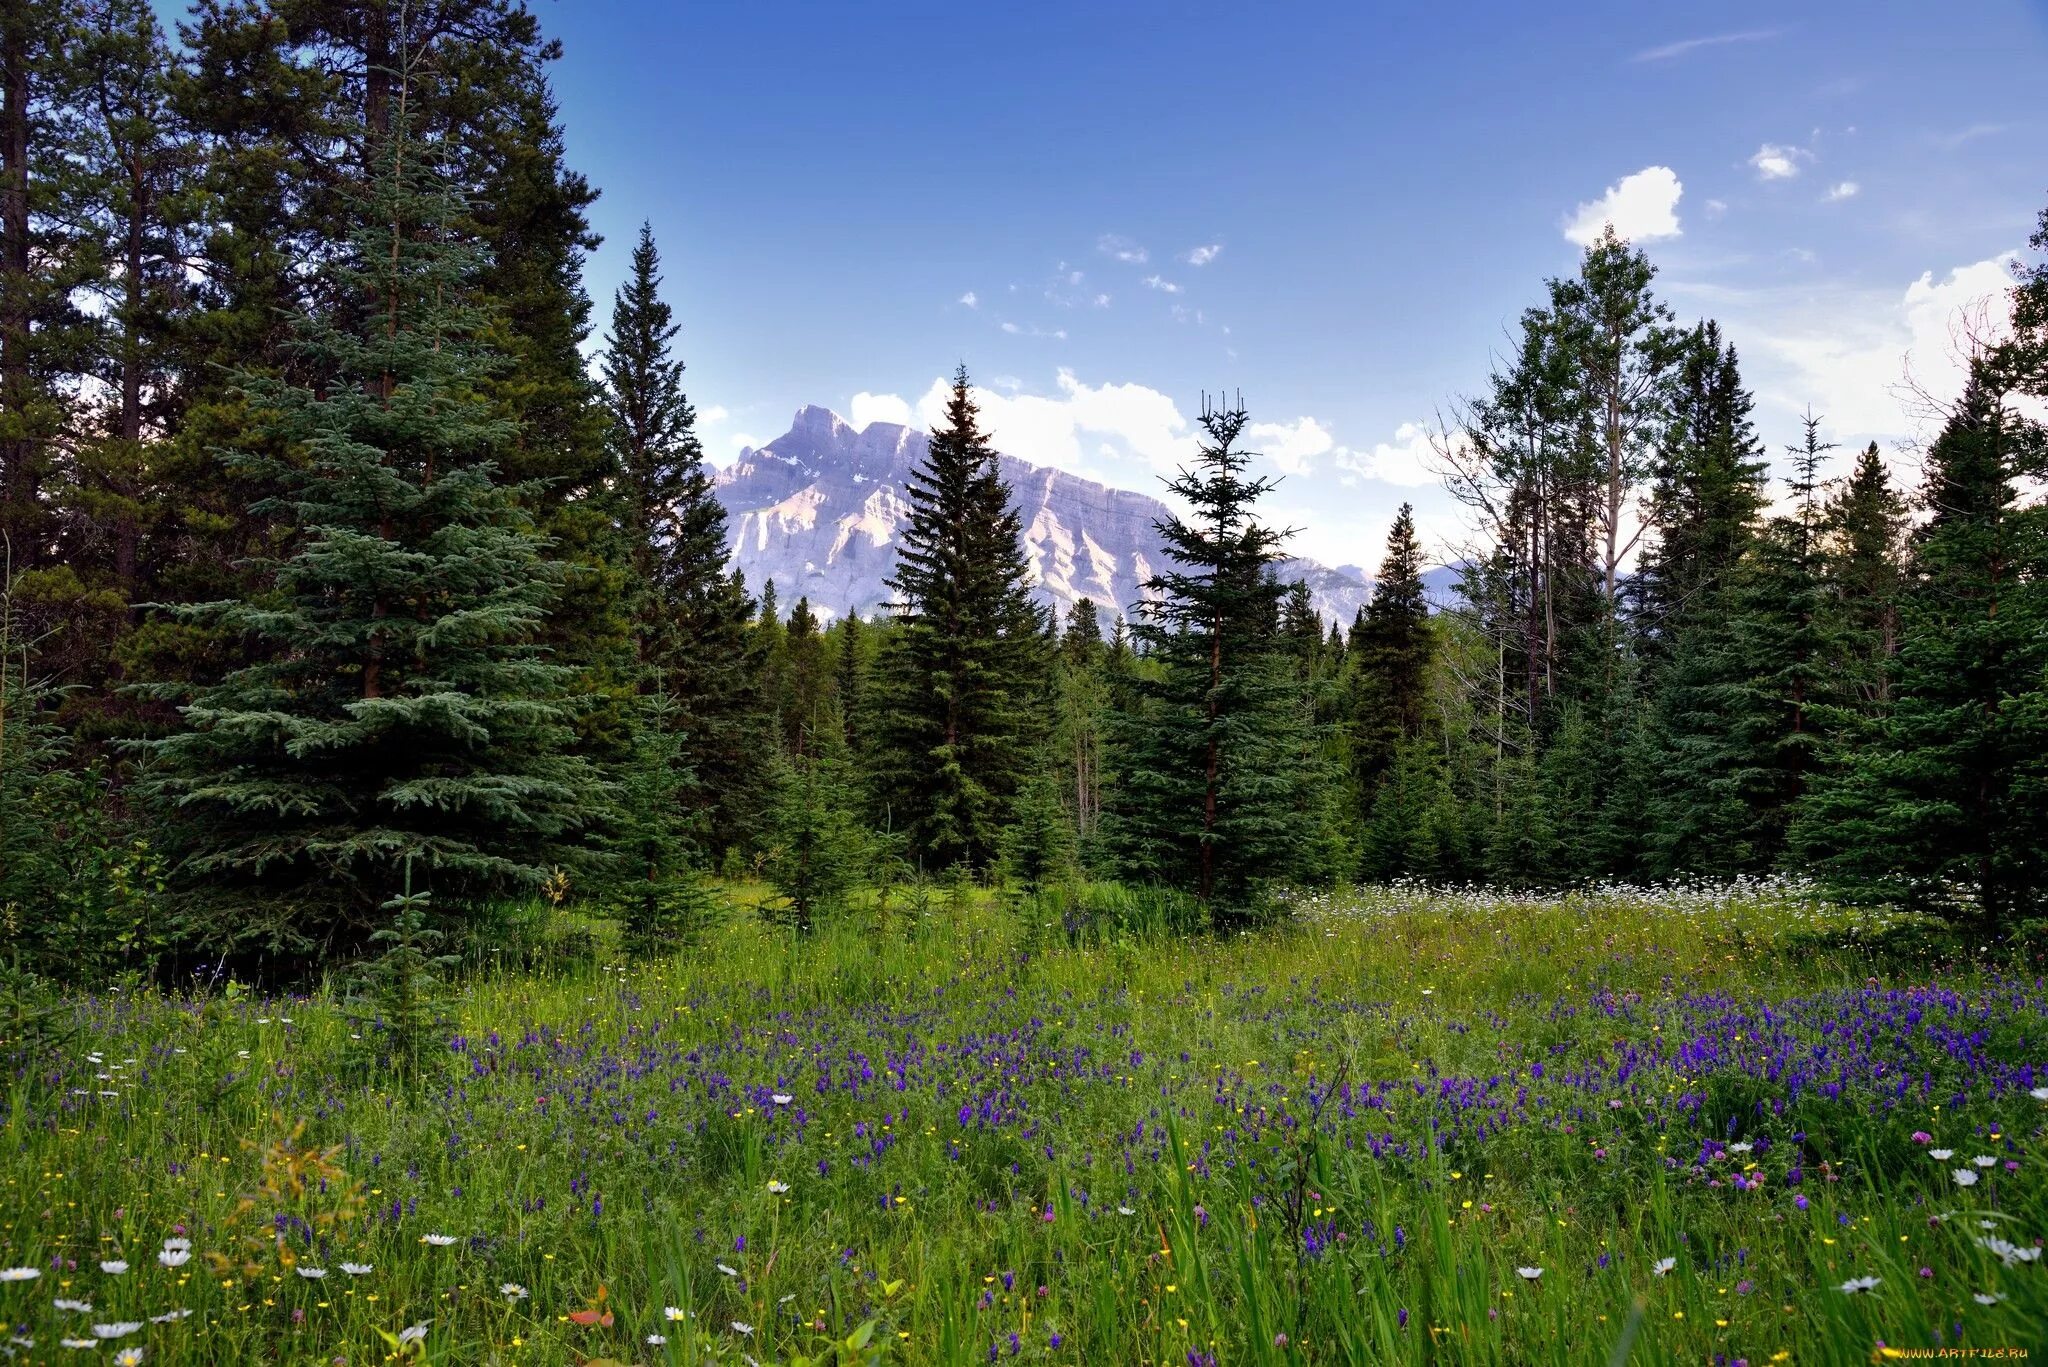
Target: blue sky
[[1334, 210]]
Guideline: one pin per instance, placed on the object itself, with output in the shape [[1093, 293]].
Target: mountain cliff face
[[819, 509]]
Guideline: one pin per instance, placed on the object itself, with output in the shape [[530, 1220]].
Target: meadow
[[1718, 1124]]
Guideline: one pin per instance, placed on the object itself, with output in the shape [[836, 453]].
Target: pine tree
[[962, 675], [401, 715], [817, 850], [689, 612], [1946, 810], [1210, 762], [1706, 498], [1746, 710], [1390, 653], [1865, 537]]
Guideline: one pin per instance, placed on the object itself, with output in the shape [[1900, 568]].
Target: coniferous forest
[[367, 625], [333, 564]]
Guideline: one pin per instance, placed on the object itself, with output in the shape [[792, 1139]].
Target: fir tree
[[1744, 719], [689, 612], [1389, 653], [1706, 497], [1946, 810], [400, 715], [1211, 758], [962, 674], [1866, 530], [817, 850]]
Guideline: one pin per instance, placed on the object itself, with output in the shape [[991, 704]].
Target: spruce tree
[[817, 851], [689, 612], [1389, 654], [1865, 531], [1211, 757], [1945, 811], [398, 713], [961, 677], [1706, 498], [1746, 710]]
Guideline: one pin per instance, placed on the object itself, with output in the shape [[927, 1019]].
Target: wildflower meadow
[[1723, 1124]]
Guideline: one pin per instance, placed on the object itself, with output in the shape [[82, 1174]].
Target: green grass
[[605, 1129]]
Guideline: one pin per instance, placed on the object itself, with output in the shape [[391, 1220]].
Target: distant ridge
[[818, 510]]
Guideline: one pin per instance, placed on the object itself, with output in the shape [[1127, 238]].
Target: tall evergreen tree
[[1389, 652], [1211, 759], [962, 674], [1946, 810], [1706, 497], [401, 716], [689, 612], [1865, 530], [1751, 692]]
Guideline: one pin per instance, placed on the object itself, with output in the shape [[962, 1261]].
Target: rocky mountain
[[818, 510]]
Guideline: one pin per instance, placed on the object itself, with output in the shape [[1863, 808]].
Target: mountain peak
[[822, 515], [818, 423]]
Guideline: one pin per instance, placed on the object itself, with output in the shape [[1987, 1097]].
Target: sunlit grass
[[1338, 1139]]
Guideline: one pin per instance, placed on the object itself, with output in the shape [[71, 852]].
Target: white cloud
[[1122, 249], [1165, 286], [1881, 359], [1778, 161], [1716, 207], [1086, 429], [969, 300], [1202, 256], [1102, 301], [1641, 207], [1843, 190], [872, 408], [1408, 460], [1685, 45], [1012, 329], [1290, 446], [714, 414], [741, 441]]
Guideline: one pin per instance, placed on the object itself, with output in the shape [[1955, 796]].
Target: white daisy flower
[[356, 1269], [742, 1327], [728, 1271], [113, 1267], [1663, 1266], [1125, 1210], [513, 1291], [1987, 1298], [413, 1333], [781, 1098], [80, 1343], [1985, 1160], [1741, 1146], [312, 1274], [437, 1240], [1856, 1284], [1965, 1177], [128, 1357], [656, 1339], [19, 1274], [170, 1317], [174, 1257], [2039, 1094], [778, 1187], [119, 1329], [80, 1307], [672, 1313], [178, 1245], [1941, 1155], [1529, 1274]]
